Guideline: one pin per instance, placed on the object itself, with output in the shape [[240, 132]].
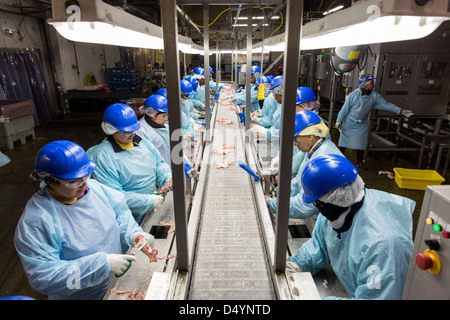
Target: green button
[[437, 228]]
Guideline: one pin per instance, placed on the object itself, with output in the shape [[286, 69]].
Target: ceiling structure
[[223, 24]]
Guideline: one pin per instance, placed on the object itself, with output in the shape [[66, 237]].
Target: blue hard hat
[[260, 80], [304, 119], [211, 70], [277, 81], [162, 92], [197, 70], [122, 117], [157, 102], [193, 81], [254, 69], [366, 77], [65, 160], [326, 173], [305, 94], [186, 87]]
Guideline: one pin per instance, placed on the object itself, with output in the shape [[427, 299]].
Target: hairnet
[[257, 75], [108, 128], [311, 106], [278, 90], [346, 195], [149, 111], [319, 130], [199, 76], [364, 84]]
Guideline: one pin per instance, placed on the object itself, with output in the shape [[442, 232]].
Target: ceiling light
[[333, 10], [369, 22], [94, 21]]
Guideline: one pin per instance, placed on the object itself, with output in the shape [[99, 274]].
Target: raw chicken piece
[[224, 164], [224, 121]]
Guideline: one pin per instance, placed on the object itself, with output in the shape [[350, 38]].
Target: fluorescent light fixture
[[333, 10], [94, 21], [253, 25], [258, 18], [105, 33], [366, 22]]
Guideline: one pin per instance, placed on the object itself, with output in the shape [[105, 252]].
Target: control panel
[[429, 270]]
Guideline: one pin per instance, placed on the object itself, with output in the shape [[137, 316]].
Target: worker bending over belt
[[129, 163], [310, 137], [73, 230], [365, 234]]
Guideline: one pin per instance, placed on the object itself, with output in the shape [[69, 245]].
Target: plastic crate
[[417, 179], [15, 109]]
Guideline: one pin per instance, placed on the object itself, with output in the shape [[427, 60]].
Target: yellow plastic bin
[[417, 179]]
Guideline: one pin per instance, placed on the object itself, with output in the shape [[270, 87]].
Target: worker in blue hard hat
[[365, 234], [154, 124], [199, 75], [306, 100], [187, 126], [352, 120], [186, 103], [74, 230], [310, 138], [241, 96], [199, 105], [130, 163], [271, 103]]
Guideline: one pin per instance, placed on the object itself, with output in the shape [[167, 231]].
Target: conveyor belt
[[230, 259]]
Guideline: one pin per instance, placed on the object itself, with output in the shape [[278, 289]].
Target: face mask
[[366, 92], [330, 211]]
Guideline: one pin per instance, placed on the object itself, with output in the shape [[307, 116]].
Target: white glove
[[259, 130], [157, 201], [274, 163], [138, 236], [407, 113], [255, 120], [339, 125], [119, 262], [292, 267]]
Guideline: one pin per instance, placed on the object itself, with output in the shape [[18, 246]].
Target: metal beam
[[206, 68], [170, 37], [248, 76], [291, 63], [181, 12], [270, 15], [227, 3]]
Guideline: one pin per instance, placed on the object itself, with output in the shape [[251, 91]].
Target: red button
[[446, 234], [424, 261]]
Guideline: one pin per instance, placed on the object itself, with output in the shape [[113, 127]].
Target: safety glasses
[[73, 184], [126, 134]]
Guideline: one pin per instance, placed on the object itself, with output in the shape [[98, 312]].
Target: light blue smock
[[372, 258], [273, 134], [137, 172], [198, 105], [254, 101], [269, 108], [354, 117], [63, 248], [160, 137], [298, 209], [199, 95], [187, 106], [212, 84]]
